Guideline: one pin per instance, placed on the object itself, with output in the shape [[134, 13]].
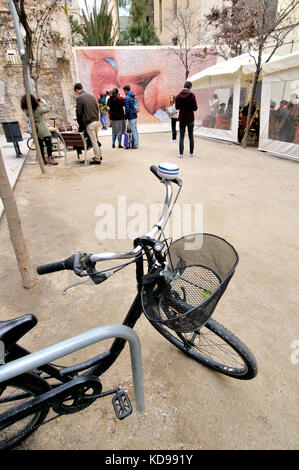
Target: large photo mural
[[153, 73]]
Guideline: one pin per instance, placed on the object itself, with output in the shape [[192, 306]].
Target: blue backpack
[[136, 106]]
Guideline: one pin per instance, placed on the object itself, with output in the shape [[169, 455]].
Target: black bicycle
[[179, 286]]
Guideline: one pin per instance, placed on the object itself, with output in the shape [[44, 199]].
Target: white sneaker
[[191, 154], [171, 141], [180, 156]]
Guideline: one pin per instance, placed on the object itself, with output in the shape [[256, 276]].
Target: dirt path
[[250, 199]]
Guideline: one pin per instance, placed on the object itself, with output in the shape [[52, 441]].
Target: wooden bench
[[75, 141]]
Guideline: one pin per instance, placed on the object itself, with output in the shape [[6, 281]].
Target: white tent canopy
[[277, 64], [244, 62], [279, 135]]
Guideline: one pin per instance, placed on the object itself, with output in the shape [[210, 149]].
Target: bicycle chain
[[32, 428]]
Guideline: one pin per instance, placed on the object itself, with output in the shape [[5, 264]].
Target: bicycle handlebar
[[68, 263], [71, 262]]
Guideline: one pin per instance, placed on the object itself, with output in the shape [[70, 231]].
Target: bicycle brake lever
[[88, 281], [95, 277]]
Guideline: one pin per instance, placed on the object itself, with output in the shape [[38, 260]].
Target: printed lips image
[[153, 73]]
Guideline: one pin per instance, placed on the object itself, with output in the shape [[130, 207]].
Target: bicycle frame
[[19, 360], [31, 361]]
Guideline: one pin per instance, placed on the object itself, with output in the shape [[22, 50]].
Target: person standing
[[116, 105], [131, 115], [186, 104], [87, 114], [173, 114], [103, 111], [214, 106], [39, 108]]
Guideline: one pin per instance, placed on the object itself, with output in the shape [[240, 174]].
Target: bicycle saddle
[[12, 330]]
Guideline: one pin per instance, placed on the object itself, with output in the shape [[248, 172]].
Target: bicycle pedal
[[122, 405]]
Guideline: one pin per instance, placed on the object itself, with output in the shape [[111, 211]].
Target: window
[[284, 111], [12, 55], [216, 107]]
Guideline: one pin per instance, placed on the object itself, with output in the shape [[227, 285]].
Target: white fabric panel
[[222, 134], [276, 147]]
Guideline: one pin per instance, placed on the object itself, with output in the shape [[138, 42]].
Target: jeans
[[103, 120], [118, 138], [190, 126], [48, 142], [92, 130], [173, 128], [133, 126]]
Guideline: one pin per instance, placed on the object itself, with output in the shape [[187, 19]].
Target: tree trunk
[[31, 117], [255, 80], [36, 87], [15, 229]]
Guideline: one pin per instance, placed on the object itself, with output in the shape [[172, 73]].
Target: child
[[103, 111]]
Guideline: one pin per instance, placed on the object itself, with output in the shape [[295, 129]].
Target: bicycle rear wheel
[[216, 347], [15, 392]]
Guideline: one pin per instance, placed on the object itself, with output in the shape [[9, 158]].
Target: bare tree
[[15, 229], [26, 58], [184, 27], [41, 37], [262, 26], [230, 31]]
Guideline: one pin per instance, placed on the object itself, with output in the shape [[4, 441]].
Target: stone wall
[[57, 73]]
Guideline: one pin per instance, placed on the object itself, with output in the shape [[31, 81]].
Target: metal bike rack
[[49, 354]]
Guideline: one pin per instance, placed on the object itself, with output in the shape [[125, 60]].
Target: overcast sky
[[90, 3]]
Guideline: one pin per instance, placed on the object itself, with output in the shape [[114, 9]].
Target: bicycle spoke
[[215, 349]]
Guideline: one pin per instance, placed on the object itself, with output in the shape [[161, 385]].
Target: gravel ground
[[250, 199]]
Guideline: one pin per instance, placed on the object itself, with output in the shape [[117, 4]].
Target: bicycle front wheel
[[30, 143], [15, 392], [216, 347]]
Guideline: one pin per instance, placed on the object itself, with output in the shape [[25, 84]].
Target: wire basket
[[201, 267]]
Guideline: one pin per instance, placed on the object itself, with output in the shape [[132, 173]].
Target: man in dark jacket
[[131, 115], [186, 104], [87, 113]]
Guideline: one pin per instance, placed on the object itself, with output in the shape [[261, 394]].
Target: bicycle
[[178, 289], [56, 140]]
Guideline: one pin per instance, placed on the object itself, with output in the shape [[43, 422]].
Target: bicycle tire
[[242, 363], [11, 436], [30, 143]]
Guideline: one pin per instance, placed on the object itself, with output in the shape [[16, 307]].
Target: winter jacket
[[186, 104], [116, 108], [129, 106], [87, 110], [41, 126]]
